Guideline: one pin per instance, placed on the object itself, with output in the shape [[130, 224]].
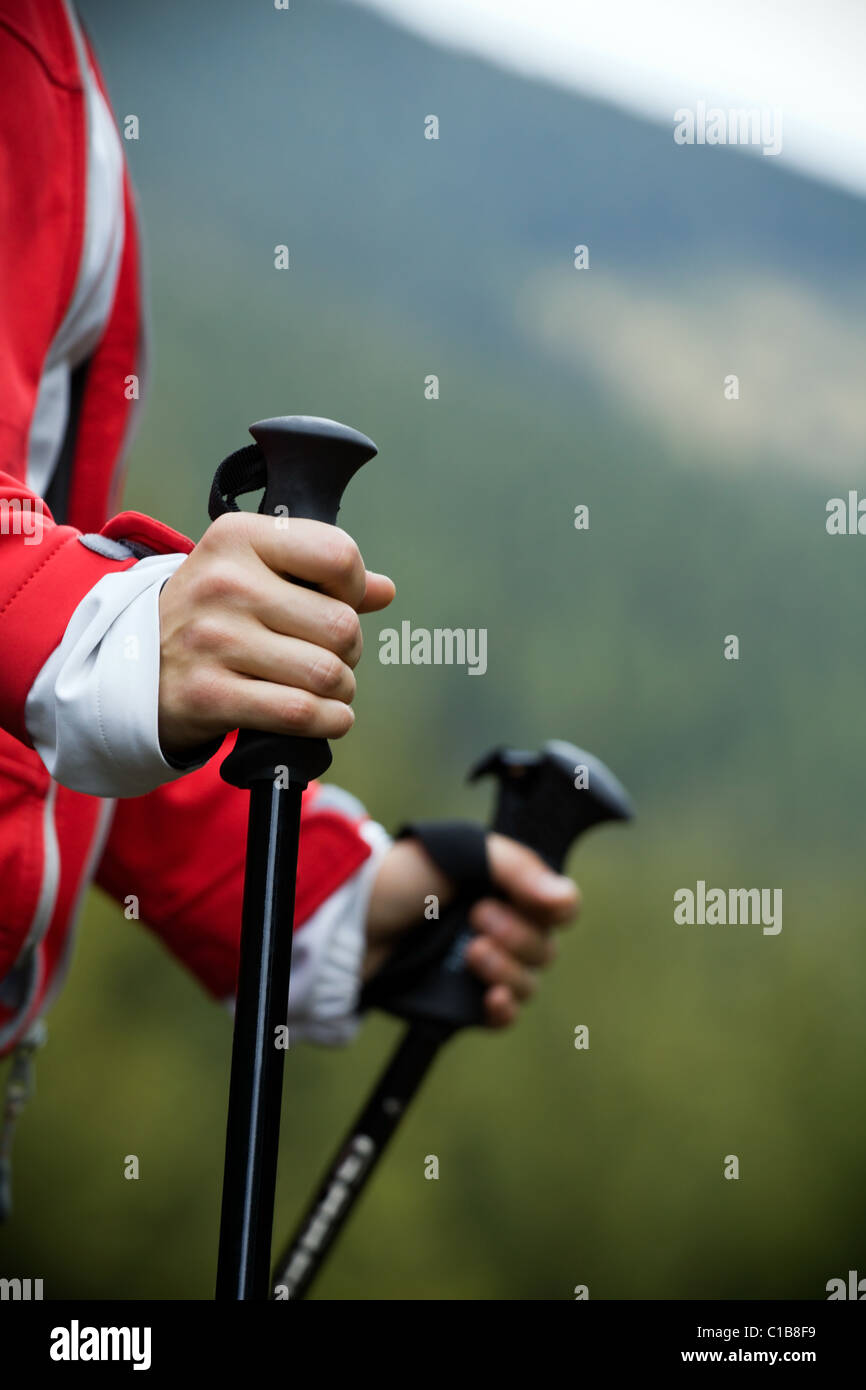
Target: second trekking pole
[[426, 982]]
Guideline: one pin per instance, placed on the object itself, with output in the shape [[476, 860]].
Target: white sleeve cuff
[[328, 954], [93, 710]]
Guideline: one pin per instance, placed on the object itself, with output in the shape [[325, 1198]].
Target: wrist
[[406, 882]]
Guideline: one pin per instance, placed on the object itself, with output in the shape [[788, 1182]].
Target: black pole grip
[[303, 463], [546, 801]]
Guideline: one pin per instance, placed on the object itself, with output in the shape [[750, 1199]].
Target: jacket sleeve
[[44, 568]]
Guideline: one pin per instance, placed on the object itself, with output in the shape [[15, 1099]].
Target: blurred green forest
[[409, 257]]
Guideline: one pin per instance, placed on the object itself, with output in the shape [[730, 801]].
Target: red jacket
[[53, 841]]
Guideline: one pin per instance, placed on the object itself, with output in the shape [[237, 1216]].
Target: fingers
[[509, 984], [287, 661], [529, 944], [292, 611], [242, 646], [506, 956], [548, 898], [515, 938], [278, 709], [309, 550], [500, 1007], [495, 966]]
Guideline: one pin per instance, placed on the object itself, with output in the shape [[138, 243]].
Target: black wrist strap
[[458, 848]]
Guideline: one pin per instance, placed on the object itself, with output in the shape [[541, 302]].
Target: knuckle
[[220, 583], [298, 710], [207, 634], [326, 673], [224, 530], [342, 554], [344, 629]]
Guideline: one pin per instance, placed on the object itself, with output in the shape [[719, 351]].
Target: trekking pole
[[545, 800], [304, 464]]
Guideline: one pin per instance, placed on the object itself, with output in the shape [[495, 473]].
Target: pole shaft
[[255, 1091], [356, 1158]]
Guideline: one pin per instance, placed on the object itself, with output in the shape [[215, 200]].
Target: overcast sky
[[807, 57]]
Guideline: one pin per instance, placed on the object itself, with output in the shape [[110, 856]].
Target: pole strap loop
[[243, 471]]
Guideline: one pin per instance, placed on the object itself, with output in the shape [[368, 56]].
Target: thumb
[[379, 593], [529, 883]]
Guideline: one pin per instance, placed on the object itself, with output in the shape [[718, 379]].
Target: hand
[[515, 938], [243, 647]]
